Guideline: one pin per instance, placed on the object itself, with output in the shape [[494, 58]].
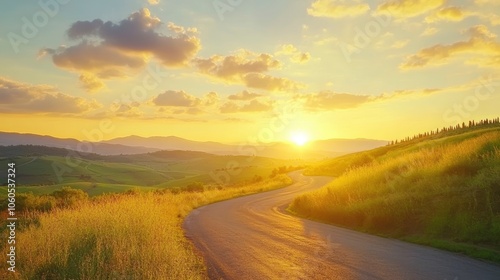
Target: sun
[[299, 138]]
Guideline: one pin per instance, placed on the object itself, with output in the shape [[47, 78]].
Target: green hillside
[[43, 170], [442, 190]]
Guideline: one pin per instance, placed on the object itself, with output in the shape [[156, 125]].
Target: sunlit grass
[[126, 236], [444, 189]]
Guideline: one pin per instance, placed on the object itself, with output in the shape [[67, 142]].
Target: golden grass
[[448, 189], [135, 236]]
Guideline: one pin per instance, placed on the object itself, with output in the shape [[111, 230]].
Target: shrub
[[195, 187], [31, 202], [68, 197]]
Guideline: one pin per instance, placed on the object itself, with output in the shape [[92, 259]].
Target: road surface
[[253, 237]]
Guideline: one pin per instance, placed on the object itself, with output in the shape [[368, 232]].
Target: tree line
[[461, 126]]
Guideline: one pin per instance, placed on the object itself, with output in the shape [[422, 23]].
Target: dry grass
[[448, 189], [137, 236]]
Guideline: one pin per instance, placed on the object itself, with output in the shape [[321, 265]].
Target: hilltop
[[441, 189]]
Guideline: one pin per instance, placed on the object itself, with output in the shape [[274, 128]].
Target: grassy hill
[[442, 190], [132, 235], [42, 170]]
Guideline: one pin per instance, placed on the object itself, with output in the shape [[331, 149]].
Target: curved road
[[253, 237]]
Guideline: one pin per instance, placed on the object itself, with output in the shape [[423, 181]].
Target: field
[[136, 235], [443, 191], [51, 169]]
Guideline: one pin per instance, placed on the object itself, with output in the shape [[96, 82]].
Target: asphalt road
[[253, 237]]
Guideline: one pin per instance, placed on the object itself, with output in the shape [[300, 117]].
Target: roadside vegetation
[[441, 190], [132, 235]]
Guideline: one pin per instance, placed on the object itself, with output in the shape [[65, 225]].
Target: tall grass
[[448, 189], [127, 236]]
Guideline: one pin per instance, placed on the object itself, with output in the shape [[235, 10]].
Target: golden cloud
[[270, 83], [447, 14], [17, 97], [180, 102], [429, 31], [174, 98], [91, 83], [487, 2], [481, 43], [295, 55], [329, 100], [337, 8], [245, 68], [109, 50], [399, 44], [99, 60], [231, 68], [252, 106], [244, 95], [409, 8]]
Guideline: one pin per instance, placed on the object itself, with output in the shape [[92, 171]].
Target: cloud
[[229, 107], [337, 8], [245, 68], [328, 100], [188, 111], [487, 2], [236, 120], [130, 110], [256, 106], [98, 60], [252, 106], [447, 14], [211, 98], [399, 44], [137, 34], [232, 68], [244, 95], [270, 83], [481, 43], [90, 82], [109, 50], [409, 8], [176, 99], [172, 98], [492, 18], [481, 32], [16, 97], [295, 55], [429, 31]]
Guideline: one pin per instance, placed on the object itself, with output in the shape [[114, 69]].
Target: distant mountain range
[[141, 145], [172, 143], [319, 148], [8, 138]]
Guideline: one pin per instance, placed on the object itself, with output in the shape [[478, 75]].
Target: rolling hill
[[441, 189], [43, 169], [139, 145], [9, 139]]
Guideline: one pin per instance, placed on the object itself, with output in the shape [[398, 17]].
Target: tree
[[68, 197]]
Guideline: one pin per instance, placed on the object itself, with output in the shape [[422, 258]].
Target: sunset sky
[[230, 70]]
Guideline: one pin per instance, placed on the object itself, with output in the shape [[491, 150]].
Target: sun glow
[[299, 138]]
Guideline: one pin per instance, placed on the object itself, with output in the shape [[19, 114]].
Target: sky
[[240, 70]]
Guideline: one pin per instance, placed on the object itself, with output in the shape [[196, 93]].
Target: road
[[253, 237]]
